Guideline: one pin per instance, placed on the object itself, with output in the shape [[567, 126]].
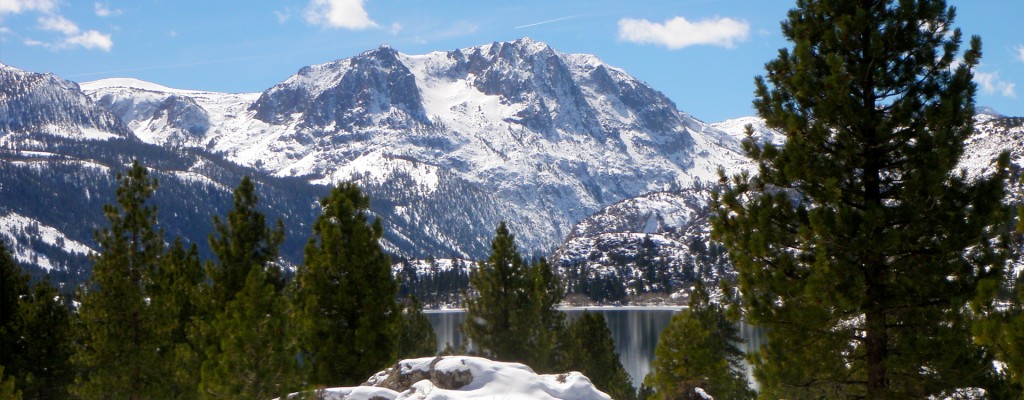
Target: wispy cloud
[[1020, 53], [395, 28], [89, 40], [20, 6], [283, 15], [678, 33], [58, 23], [73, 35], [103, 10], [991, 83], [347, 14], [547, 22]]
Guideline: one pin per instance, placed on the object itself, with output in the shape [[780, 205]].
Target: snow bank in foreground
[[459, 377]]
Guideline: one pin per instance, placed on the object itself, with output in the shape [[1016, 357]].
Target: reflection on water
[[635, 330]]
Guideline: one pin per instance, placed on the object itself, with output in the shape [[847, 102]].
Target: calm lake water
[[635, 330]]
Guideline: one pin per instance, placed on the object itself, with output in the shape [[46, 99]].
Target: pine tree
[[548, 323], [120, 356], [242, 242], [178, 307], [35, 333], [47, 340], [858, 244], [416, 337], [591, 351], [1002, 327], [698, 350], [346, 296], [512, 316], [246, 291], [254, 357], [13, 287]]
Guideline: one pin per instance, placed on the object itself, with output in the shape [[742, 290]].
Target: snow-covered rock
[[460, 377]]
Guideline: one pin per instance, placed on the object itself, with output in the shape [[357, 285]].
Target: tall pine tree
[[254, 357], [858, 244], [35, 333], [121, 355], [416, 337], [346, 299], [512, 316], [591, 351], [247, 341], [176, 302], [241, 242], [698, 349]]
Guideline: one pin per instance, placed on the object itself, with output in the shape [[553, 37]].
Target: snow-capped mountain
[[536, 137], [563, 147]]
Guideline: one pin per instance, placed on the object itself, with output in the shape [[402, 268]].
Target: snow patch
[[13, 226]]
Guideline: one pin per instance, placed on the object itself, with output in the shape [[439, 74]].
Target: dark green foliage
[[512, 316], [246, 293], [416, 337], [7, 389], [254, 357], [35, 334], [698, 349], [591, 351], [45, 355], [1002, 330], [346, 306], [858, 244], [177, 304], [242, 243], [121, 355], [13, 287]]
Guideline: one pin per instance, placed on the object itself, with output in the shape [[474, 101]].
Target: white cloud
[[58, 23], [173, 33], [348, 14], [283, 16], [1020, 53], [73, 35], [20, 6], [104, 10], [395, 28], [91, 40], [990, 83], [678, 33]]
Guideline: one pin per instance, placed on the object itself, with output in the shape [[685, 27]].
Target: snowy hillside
[[458, 377], [44, 103]]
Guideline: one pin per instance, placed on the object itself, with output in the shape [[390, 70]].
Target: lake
[[635, 330]]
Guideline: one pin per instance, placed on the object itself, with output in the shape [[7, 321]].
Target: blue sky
[[703, 54]]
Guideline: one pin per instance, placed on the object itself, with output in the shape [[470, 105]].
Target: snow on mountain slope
[[542, 139], [19, 232], [174, 117], [32, 103]]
